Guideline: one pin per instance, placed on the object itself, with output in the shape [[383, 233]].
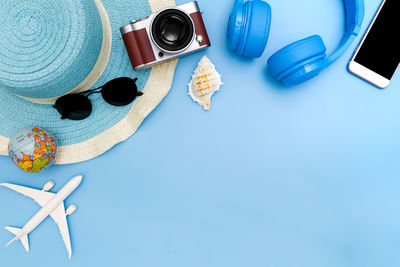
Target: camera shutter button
[[137, 20], [143, 18]]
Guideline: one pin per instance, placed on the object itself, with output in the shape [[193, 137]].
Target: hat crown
[[47, 48]]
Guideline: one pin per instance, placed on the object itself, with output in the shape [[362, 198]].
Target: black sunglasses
[[117, 92]]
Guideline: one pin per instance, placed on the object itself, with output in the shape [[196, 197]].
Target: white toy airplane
[[52, 204]]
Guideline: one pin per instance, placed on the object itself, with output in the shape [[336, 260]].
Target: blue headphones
[[248, 30]]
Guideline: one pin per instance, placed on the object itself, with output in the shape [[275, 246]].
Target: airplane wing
[[60, 219], [41, 197]]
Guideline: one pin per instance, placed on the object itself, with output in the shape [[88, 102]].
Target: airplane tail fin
[[19, 235]]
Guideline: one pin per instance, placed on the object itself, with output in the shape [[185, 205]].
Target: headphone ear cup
[[235, 24], [299, 61], [248, 27], [258, 27]]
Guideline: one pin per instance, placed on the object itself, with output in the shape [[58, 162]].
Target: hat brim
[[107, 125]]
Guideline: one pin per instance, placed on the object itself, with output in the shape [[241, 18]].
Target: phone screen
[[380, 51]]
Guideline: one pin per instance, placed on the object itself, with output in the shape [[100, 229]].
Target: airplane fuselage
[[51, 205]]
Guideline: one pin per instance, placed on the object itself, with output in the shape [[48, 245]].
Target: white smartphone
[[378, 56]]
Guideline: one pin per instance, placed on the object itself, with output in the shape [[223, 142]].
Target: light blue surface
[[271, 176]]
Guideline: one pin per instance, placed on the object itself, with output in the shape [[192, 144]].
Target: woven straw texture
[[47, 43], [108, 126]]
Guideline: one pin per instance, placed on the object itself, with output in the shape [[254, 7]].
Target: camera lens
[[172, 30]]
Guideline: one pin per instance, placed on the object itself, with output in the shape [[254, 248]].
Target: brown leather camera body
[[144, 52]]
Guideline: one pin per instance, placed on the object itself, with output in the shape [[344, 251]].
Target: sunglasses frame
[[83, 97]]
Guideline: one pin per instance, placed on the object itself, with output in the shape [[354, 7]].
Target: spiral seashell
[[205, 82]]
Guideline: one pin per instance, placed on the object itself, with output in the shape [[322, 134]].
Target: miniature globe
[[33, 149]]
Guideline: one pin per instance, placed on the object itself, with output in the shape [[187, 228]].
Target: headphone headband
[[354, 11], [354, 15]]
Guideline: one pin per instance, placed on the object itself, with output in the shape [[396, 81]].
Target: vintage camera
[[165, 35]]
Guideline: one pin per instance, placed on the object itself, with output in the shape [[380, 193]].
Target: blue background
[[271, 176]]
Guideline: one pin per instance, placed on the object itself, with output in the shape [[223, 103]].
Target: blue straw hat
[[51, 48]]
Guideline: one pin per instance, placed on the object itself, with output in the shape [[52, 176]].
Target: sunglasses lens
[[74, 107], [120, 91]]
